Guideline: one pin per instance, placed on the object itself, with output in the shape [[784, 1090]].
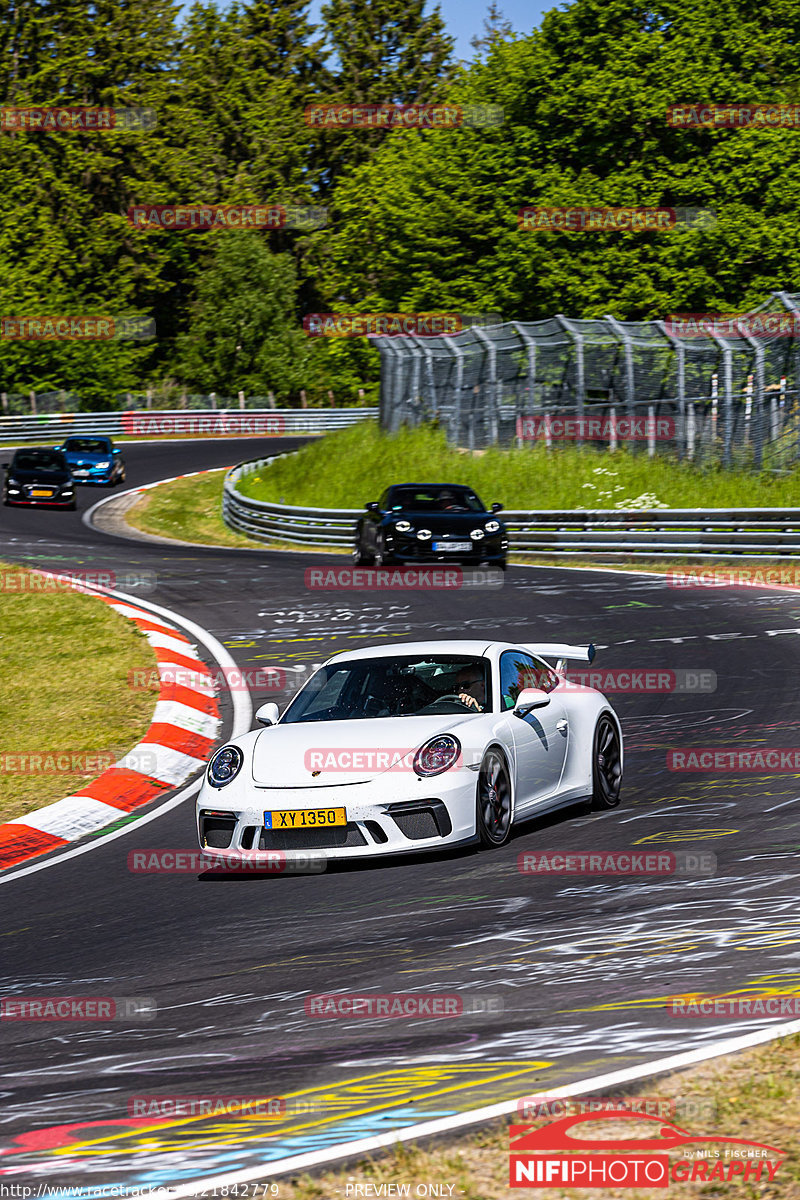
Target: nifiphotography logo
[[554, 1155]]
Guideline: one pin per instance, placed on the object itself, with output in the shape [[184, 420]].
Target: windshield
[[86, 446], [39, 460], [402, 686], [435, 499]]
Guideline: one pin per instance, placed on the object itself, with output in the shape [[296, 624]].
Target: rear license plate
[[460, 547], [305, 818], [41, 492]]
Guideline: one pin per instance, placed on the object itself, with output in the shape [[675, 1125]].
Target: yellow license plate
[[41, 492], [305, 818]]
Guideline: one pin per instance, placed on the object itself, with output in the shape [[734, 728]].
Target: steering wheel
[[451, 696]]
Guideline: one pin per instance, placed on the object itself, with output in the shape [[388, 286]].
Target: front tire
[[494, 810], [606, 765], [360, 558]]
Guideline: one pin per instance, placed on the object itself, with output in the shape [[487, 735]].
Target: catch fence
[[649, 385]]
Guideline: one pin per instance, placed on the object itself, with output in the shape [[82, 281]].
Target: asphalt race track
[[577, 968]]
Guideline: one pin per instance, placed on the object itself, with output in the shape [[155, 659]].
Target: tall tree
[[244, 333]]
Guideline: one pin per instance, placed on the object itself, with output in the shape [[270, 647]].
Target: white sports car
[[411, 747]]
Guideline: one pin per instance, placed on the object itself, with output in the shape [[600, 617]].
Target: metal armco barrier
[[50, 427], [678, 532]]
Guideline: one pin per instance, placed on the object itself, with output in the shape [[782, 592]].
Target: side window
[[518, 671], [547, 678]]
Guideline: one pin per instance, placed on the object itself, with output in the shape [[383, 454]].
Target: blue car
[[93, 460]]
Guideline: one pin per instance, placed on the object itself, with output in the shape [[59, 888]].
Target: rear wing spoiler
[[562, 652]]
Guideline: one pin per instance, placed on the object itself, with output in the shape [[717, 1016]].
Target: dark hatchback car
[[39, 477], [430, 522]]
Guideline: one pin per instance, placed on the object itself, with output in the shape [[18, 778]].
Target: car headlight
[[492, 527], [437, 755], [224, 766], [476, 535], [101, 466], [424, 535], [403, 527]]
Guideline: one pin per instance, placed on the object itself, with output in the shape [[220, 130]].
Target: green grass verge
[[189, 510], [65, 659], [354, 465]]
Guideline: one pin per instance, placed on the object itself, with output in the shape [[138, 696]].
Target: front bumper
[[383, 817], [409, 550], [95, 477], [23, 500]]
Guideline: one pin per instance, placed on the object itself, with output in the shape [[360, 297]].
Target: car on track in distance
[[430, 522], [414, 746], [40, 477], [94, 460]]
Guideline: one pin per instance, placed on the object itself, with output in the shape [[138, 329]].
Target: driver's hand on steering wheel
[[469, 701]]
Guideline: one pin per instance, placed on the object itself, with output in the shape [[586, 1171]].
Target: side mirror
[[528, 699], [497, 507], [268, 714], [373, 506]]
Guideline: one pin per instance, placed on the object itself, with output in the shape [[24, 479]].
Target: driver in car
[[471, 688]]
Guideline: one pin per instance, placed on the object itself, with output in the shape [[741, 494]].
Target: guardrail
[[684, 532], [266, 422]]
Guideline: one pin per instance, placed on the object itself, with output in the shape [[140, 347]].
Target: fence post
[[651, 430], [213, 398], [630, 381], [271, 398], [184, 398], [580, 377], [241, 400], [149, 397], [612, 416], [32, 396], [4, 399], [493, 385], [690, 431], [303, 401]]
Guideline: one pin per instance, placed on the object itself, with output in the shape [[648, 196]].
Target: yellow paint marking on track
[[685, 835], [409, 1080]]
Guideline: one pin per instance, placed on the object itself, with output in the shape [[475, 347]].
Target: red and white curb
[[185, 726]]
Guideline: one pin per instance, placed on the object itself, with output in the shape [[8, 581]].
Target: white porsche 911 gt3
[[414, 746]]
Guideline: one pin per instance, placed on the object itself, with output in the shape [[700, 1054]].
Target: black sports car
[[39, 476], [430, 522]]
